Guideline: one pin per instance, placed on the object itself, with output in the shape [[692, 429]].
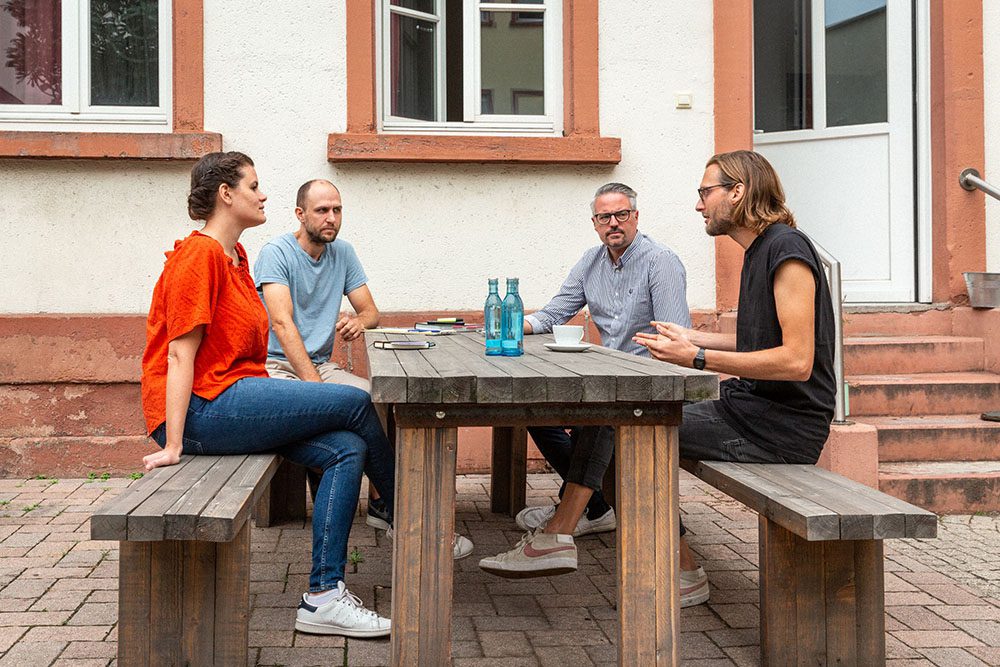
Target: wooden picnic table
[[432, 392]]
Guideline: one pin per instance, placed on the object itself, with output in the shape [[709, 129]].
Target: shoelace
[[355, 602]]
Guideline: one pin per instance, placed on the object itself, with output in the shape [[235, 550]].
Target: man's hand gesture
[[671, 343], [350, 328]]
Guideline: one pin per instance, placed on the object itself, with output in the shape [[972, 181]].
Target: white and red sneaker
[[538, 554]]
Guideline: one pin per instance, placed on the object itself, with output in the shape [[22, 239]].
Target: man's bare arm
[[278, 299], [706, 339], [367, 316], [794, 295]]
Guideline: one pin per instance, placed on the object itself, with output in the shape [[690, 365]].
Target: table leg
[[509, 469], [648, 552], [422, 549]]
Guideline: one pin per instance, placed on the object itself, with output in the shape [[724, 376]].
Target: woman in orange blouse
[[205, 389]]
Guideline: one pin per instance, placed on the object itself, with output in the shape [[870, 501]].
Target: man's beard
[[316, 238], [718, 227]]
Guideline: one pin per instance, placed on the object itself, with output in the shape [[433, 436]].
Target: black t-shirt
[[788, 418]]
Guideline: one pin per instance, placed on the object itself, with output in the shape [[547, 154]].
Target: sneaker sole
[[564, 568], [693, 600], [377, 523], [593, 530], [322, 629]]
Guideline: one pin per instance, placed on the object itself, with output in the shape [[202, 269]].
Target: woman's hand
[[167, 456]]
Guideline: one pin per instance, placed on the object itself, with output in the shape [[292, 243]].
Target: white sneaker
[[461, 545], [344, 615], [537, 554], [531, 518], [694, 587]]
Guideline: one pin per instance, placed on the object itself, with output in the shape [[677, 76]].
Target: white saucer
[[576, 347]]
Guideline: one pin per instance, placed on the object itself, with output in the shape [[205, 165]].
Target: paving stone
[[94, 613], [504, 644], [988, 632], [287, 657], [919, 618], [67, 633], [563, 656], [32, 654], [952, 657], [106, 650], [368, 653], [936, 638]]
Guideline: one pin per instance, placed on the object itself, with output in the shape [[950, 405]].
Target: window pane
[[425, 6], [856, 78], [513, 64], [124, 49], [31, 52], [782, 65], [412, 62]]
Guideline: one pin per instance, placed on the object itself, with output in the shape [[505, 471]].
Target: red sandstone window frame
[[187, 140], [581, 142]]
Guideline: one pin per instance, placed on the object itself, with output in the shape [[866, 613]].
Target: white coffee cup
[[567, 334]]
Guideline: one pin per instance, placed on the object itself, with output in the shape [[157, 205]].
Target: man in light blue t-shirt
[[303, 277]]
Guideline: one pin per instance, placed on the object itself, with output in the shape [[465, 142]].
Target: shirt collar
[[629, 251]]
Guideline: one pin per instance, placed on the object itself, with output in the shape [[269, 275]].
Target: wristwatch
[[699, 359]]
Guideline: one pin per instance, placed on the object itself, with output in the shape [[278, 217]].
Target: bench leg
[[509, 472], [285, 497], [820, 602], [184, 602]]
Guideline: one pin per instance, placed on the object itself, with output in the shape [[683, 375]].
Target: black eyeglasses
[[709, 188], [621, 216]]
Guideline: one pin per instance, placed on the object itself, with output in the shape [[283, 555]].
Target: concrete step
[[948, 487], [923, 394], [912, 354], [936, 438]]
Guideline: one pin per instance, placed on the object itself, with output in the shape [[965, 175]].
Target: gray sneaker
[[344, 615], [538, 554], [461, 545], [531, 518]]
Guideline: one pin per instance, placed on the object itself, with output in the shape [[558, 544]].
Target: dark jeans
[[706, 436], [327, 426], [580, 456]]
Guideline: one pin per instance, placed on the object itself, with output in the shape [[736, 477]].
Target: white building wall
[[88, 236], [991, 58]]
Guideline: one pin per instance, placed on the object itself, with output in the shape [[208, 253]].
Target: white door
[[834, 110]]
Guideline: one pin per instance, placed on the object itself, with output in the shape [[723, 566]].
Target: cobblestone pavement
[[58, 597]]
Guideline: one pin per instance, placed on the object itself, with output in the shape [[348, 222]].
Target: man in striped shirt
[[627, 282]]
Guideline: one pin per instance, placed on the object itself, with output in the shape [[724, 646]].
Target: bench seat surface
[[206, 498], [816, 504]]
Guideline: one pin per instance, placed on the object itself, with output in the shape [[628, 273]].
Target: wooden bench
[[821, 568], [184, 569]]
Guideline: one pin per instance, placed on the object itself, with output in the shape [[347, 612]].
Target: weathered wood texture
[[816, 504], [457, 371], [422, 548], [509, 469], [648, 554], [184, 602], [202, 498], [821, 603]]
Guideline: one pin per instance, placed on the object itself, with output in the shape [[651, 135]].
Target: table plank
[[600, 380], [458, 382], [493, 385], [527, 384], [666, 384], [423, 384], [387, 377]]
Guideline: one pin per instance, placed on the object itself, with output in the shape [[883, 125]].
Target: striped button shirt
[[647, 283]]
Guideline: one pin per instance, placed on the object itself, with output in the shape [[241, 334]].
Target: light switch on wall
[[683, 100]]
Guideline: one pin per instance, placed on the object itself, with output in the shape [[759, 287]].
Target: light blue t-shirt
[[317, 289]]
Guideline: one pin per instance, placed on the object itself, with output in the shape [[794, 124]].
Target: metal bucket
[[984, 289]]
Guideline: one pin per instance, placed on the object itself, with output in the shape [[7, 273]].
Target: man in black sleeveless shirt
[[778, 409]]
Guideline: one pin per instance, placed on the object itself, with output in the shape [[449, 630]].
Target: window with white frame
[[85, 65], [470, 67]]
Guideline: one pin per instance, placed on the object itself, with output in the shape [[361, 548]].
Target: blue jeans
[[328, 426]]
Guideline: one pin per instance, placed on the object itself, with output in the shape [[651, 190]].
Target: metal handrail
[[970, 180], [832, 265]]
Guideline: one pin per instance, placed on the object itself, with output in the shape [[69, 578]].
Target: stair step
[[923, 394], [947, 487], [936, 438], [912, 354]]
